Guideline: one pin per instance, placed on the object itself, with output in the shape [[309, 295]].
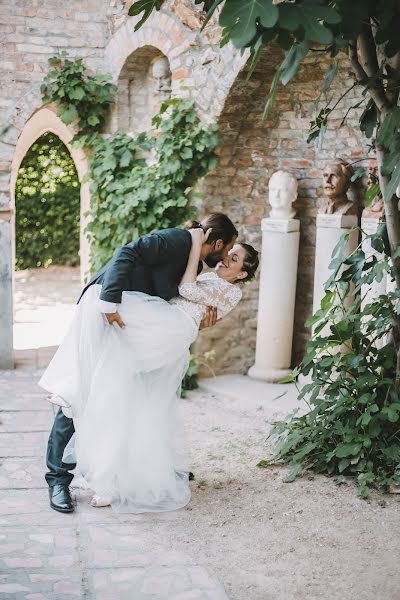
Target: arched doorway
[[41, 334], [47, 223]]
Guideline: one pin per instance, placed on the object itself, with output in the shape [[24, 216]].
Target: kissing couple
[[117, 374]]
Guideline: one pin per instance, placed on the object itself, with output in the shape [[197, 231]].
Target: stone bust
[[162, 74], [282, 193], [375, 209], [336, 181]]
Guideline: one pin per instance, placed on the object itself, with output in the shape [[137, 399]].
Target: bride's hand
[[199, 237]]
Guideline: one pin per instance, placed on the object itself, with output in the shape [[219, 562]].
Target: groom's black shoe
[[60, 498], [191, 476]]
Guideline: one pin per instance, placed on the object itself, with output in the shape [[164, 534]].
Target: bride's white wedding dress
[[123, 387]]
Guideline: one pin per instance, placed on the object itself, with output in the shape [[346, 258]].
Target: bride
[[121, 386]]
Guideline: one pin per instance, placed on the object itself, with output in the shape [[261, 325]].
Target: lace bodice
[[207, 290]]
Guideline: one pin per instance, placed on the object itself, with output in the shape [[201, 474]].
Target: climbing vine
[[137, 183], [81, 98], [143, 183]]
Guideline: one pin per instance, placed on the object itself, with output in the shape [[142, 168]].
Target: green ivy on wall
[[81, 98], [137, 184], [47, 197], [130, 195]]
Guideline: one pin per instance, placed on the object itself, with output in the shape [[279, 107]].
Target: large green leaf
[[145, 6], [388, 130], [68, 114], [292, 61], [369, 119], [313, 29], [243, 17]]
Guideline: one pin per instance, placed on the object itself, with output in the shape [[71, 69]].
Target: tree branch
[[367, 68], [367, 52], [392, 217]]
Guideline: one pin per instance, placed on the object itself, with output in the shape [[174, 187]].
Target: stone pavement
[[92, 553]]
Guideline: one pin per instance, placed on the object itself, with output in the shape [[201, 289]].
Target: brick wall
[[31, 32], [251, 149]]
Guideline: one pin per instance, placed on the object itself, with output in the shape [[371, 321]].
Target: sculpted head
[[282, 193], [337, 178]]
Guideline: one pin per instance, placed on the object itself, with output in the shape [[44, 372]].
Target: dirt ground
[[270, 540]]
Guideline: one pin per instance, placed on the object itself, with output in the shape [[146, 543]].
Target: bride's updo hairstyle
[[250, 263], [222, 227]]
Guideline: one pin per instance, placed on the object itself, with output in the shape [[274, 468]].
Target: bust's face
[[335, 181], [281, 191]]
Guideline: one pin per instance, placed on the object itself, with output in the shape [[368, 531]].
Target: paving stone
[[22, 584], [22, 473], [25, 421], [92, 553], [24, 502], [23, 444], [32, 548], [150, 583]]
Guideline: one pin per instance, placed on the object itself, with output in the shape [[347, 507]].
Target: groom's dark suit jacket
[[153, 264]]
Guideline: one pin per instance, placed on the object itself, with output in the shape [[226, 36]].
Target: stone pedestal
[[371, 291], [280, 250], [6, 311], [330, 229]]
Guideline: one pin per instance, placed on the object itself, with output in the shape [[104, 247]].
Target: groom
[[152, 264]]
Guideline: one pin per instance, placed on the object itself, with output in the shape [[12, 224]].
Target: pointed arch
[[44, 121]]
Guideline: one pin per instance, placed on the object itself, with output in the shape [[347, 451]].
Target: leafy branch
[[82, 99], [143, 183]]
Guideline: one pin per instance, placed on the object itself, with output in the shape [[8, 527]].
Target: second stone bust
[[282, 193], [336, 181]]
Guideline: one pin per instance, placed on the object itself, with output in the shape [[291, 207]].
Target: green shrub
[[47, 197], [352, 427], [191, 378]]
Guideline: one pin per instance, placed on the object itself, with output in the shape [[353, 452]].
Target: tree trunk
[[392, 217]]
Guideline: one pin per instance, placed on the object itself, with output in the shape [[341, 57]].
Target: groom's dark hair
[[222, 227]]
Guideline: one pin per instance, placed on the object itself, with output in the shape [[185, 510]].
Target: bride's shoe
[[99, 501]]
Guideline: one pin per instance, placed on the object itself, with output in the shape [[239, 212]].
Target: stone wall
[[31, 32], [139, 94], [251, 147]]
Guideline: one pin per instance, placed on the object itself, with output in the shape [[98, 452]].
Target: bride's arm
[[198, 239]]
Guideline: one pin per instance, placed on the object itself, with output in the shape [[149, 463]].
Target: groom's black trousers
[[61, 433]]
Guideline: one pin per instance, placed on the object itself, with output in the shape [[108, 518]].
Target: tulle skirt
[[123, 386]]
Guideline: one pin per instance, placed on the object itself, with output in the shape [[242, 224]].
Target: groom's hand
[[210, 318], [115, 318]]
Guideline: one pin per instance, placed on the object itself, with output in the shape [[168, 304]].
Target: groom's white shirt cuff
[[107, 307]]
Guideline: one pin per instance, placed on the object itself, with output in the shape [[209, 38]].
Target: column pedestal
[[6, 312], [280, 250], [330, 229]]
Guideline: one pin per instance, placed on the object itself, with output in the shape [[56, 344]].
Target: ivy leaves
[[146, 7], [352, 427], [131, 195], [81, 98], [389, 137], [242, 19]]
